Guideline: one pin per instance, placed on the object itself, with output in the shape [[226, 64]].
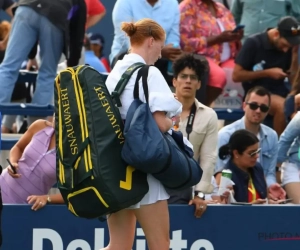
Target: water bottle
[[259, 66], [225, 181], [170, 64]]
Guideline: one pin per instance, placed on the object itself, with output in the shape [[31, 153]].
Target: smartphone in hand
[[285, 201], [12, 167], [238, 27]]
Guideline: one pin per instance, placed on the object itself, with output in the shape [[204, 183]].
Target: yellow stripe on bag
[[127, 184], [84, 118], [60, 148], [70, 207], [77, 162], [80, 110], [84, 190], [61, 134]]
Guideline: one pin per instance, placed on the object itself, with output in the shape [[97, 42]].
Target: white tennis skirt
[[156, 193]]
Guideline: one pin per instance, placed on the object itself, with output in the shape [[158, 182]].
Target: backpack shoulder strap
[[123, 82], [143, 73]]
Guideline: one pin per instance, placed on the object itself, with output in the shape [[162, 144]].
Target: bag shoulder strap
[[123, 82], [143, 73], [190, 122]]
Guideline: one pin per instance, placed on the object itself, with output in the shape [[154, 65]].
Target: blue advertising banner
[[221, 228]]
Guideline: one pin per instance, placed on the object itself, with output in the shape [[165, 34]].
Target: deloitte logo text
[[177, 243]]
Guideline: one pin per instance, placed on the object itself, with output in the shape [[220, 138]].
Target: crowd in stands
[[257, 41]]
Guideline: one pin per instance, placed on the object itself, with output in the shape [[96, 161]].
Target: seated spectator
[[206, 28], [199, 124], [273, 57], [90, 57], [97, 45], [247, 173], [292, 102], [259, 15], [256, 107], [34, 158], [288, 159], [166, 13]]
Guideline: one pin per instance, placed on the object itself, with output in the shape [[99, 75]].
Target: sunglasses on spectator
[[254, 106], [253, 154], [186, 76]]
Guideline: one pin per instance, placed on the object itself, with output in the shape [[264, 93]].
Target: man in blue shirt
[[256, 107], [165, 12]]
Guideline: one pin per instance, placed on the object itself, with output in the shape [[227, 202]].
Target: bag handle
[[143, 73], [115, 95]]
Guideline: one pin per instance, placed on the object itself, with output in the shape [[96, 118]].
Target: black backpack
[[92, 177]]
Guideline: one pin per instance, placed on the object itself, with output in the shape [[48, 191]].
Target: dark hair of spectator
[[189, 61], [240, 140], [258, 90], [296, 83], [142, 30]]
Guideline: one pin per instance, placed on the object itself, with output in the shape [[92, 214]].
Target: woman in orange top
[[207, 28]]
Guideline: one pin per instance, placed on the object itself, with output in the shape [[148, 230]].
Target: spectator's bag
[[165, 156], [92, 177]]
